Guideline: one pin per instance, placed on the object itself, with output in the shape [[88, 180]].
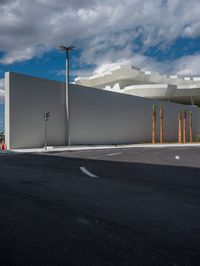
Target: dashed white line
[[112, 154], [84, 170]]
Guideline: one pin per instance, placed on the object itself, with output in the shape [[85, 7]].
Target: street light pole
[[46, 119], [68, 135]]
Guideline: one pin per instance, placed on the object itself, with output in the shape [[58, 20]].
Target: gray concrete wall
[[96, 116], [104, 117], [27, 99]]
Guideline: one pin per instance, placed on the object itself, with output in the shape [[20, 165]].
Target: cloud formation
[[2, 90], [185, 66], [107, 31]]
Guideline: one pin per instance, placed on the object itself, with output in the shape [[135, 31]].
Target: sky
[[156, 35]]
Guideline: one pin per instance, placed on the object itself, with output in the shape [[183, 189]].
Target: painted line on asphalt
[[112, 154], [84, 170]]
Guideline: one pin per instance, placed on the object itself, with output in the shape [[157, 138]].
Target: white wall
[[104, 117], [27, 99], [96, 116]]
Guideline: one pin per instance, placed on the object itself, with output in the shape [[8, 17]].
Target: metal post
[[68, 135], [45, 135], [46, 118], [68, 139]]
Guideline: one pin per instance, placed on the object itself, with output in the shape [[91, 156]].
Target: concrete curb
[[103, 147]]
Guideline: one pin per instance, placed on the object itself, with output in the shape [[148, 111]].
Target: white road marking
[[112, 154], [84, 170], [177, 157]]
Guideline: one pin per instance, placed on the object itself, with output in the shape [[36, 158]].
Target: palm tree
[[190, 122], [184, 126], [161, 123], [179, 127], [154, 124]]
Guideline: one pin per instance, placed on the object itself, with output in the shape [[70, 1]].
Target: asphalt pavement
[[138, 206]]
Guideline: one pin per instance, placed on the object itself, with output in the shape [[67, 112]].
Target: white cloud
[[185, 66], [1, 84], [19, 55], [193, 30], [74, 73], [188, 65], [28, 28], [2, 92]]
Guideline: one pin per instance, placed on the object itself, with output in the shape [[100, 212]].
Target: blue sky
[[157, 35]]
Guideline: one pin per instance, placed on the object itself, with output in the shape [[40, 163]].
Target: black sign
[[46, 116]]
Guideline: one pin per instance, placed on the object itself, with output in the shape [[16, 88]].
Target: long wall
[[26, 100], [96, 116]]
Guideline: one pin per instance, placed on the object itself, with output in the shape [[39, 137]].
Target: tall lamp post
[[66, 50]]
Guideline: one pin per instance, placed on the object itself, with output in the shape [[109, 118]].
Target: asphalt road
[[107, 207]]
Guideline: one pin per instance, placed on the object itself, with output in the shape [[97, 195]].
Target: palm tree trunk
[[179, 127], [154, 124], [191, 133], [161, 124], [184, 126]]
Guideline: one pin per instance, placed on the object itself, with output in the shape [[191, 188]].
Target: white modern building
[[134, 81]]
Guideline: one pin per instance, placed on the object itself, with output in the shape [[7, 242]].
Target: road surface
[[137, 206]]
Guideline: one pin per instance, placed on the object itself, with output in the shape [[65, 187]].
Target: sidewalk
[[102, 147]]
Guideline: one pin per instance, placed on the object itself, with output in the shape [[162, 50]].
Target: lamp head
[[65, 48], [62, 48]]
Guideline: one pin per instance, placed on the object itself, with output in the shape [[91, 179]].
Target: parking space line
[[84, 170], [112, 154]]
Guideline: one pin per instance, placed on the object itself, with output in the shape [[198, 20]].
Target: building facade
[[134, 81], [97, 117]]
